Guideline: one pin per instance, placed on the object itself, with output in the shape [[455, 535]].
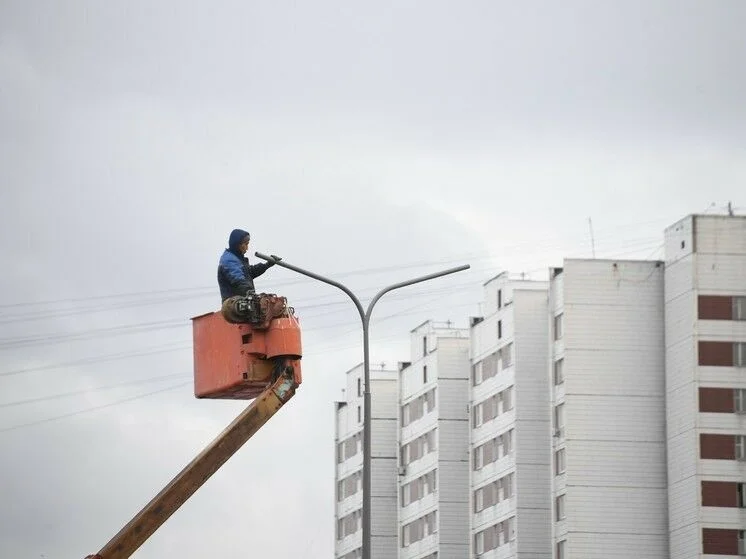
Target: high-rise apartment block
[[349, 465], [607, 395], [510, 422], [705, 309], [433, 445], [600, 413]]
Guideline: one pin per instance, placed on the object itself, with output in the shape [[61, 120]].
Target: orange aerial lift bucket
[[258, 360], [236, 361]]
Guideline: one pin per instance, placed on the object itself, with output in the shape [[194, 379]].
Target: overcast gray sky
[[372, 142]]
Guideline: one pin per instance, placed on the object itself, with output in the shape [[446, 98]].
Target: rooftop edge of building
[[701, 216]]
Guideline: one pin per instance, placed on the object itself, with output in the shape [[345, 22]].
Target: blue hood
[[237, 235]]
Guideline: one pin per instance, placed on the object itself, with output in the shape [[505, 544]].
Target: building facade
[[433, 495], [607, 393], [601, 413], [510, 461], [349, 465], [705, 310]]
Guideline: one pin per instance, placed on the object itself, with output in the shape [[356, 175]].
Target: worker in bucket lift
[[236, 278]]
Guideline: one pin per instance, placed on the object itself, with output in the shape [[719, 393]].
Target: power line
[[98, 359], [149, 326], [345, 273], [6, 343], [168, 347], [92, 408], [323, 350], [320, 351], [88, 390]]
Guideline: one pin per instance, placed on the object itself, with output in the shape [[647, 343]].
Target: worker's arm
[[257, 270]]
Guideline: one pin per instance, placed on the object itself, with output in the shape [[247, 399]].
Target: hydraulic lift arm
[[199, 470]]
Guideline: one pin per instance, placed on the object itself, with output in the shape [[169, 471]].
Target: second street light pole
[[365, 317]]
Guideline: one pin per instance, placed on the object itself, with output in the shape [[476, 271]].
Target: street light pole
[[365, 318]]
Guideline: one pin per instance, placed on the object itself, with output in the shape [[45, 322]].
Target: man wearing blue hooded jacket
[[235, 274]]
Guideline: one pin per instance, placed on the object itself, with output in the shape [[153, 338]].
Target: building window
[[739, 354], [359, 387], [420, 528], [723, 494], [739, 308], [722, 541], [506, 400], [359, 414], [424, 346], [499, 298], [559, 420], [349, 486], [417, 448], [424, 374], [493, 450], [716, 400], [739, 400], [415, 409], [495, 536], [492, 407], [484, 411], [559, 461], [715, 307], [349, 447], [499, 329], [722, 354], [348, 525], [559, 373], [476, 373], [559, 508], [486, 368], [740, 447], [493, 493], [506, 356], [492, 364], [561, 551], [721, 307], [716, 354], [559, 326], [419, 488], [717, 447]]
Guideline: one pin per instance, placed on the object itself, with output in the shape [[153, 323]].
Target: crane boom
[[199, 470]]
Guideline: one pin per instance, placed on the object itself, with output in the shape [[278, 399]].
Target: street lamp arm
[[408, 283], [310, 274]]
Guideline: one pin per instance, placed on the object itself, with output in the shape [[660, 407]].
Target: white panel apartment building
[[608, 399], [433, 445], [603, 416], [349, 465], [510, 504], [705, 308]]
